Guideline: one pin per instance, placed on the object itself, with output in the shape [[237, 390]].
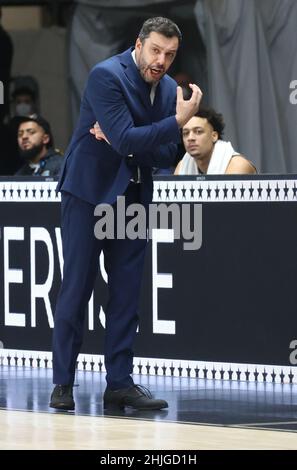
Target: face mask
[[23, 109]]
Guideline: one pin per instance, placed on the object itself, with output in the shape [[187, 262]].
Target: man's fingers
[[196, 92], [179, 93], [96, 133], [194, 87]]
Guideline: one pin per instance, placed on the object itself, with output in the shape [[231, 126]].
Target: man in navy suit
[[140, 113]]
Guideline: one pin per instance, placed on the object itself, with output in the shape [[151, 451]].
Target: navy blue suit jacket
[[119, 99]]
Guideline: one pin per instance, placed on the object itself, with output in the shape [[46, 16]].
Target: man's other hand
[[97, 132]]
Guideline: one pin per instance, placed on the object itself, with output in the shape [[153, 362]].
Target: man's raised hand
[[186, 109]]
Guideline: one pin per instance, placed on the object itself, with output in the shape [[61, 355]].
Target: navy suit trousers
[[124, 260]]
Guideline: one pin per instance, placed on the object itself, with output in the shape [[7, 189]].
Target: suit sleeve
[[163, 156], [111, 111]]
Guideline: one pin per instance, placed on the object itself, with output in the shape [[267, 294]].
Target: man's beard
[[31, 154], [143, 68]]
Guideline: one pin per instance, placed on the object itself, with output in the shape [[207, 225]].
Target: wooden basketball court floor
[[202, 415]]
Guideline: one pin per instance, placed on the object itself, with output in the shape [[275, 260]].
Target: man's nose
[[161, 59]]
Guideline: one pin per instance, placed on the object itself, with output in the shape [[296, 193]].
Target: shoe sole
[[62, 406], [114, 407], [148, 409]]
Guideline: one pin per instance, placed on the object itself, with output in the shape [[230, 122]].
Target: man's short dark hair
[[23, 91], [160, 25], [215, 119]]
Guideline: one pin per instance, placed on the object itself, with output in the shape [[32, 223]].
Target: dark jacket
[[6, 54], [48, 166]]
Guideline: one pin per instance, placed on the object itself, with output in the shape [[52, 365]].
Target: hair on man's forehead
[[31, 126], [160, 25]]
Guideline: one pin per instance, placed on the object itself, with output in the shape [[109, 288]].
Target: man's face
[[24, 104], [24, 98], [155, 55], [199, 138], [32, 139]]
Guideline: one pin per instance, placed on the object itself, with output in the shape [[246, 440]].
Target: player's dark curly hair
[[214, 118]]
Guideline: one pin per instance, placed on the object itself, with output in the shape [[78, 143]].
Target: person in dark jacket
[[6, 55], [36, 147]]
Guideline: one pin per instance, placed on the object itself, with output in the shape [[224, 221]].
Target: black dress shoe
[[137, 397], [62, 398]]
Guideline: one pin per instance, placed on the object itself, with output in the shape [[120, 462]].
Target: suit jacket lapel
[[133, 75]]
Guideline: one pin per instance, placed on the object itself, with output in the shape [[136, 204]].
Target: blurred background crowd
[[240, 52]]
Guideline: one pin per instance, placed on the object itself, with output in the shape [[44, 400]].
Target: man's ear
[[46, 139], [138, 44], [214, 136]]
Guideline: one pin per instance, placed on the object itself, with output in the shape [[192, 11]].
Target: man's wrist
[[179, 121]]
